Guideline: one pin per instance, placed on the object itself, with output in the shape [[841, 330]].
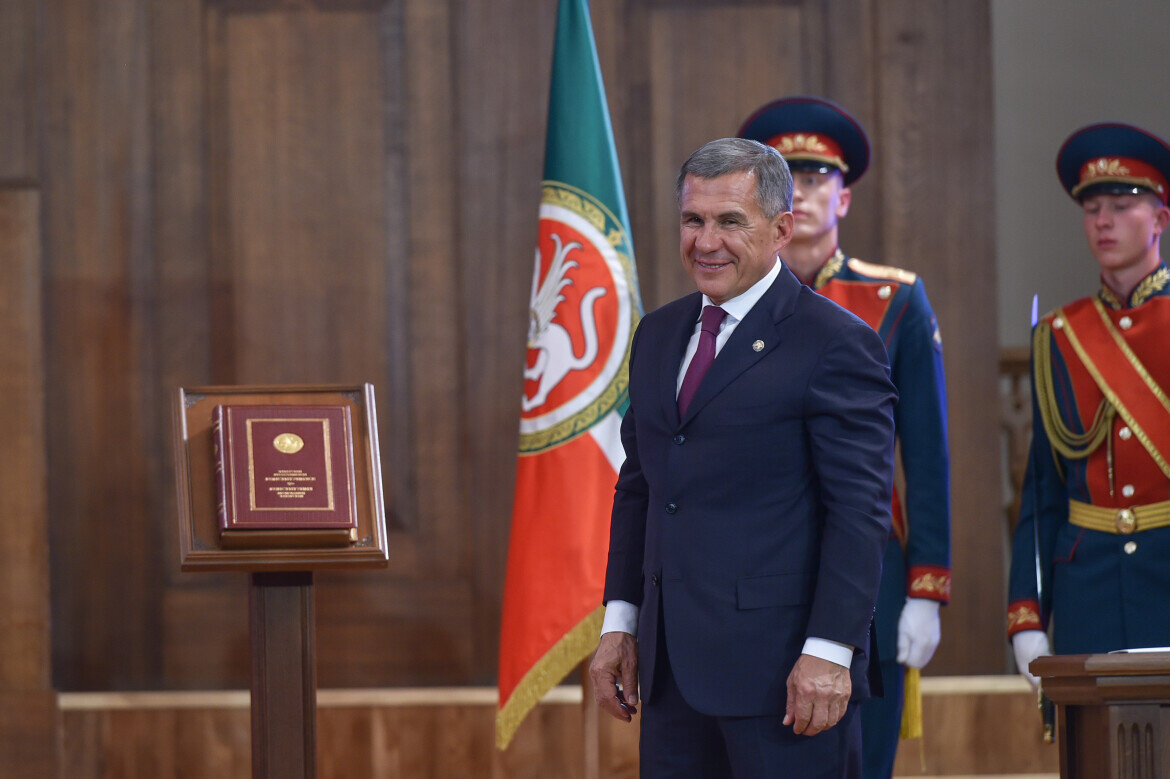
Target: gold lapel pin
[[758, 346]]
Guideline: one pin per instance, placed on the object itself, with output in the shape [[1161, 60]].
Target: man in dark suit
[[752, 510]]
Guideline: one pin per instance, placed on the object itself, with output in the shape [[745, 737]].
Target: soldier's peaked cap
[[1114, 158], [811, 133]]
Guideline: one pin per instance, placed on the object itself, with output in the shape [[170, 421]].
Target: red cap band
[[1122, 170], [809, 146]]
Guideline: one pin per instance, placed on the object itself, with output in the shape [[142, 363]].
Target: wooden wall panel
[[502, 110], [24, 549], [743, 56], [297, 137], [936, 194], [19, 38], [100, 385], [28, 716], [974, 726]]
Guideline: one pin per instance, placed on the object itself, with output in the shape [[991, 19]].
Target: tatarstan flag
[[583, 310]]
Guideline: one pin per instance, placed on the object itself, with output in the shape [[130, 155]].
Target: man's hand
[[918, 632], [616, 663], [1027, 645], [818, 694]]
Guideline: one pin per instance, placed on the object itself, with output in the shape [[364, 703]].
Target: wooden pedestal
[[1113, 713], [284, 677]]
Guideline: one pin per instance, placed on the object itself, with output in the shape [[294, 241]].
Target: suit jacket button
[[654, 579], [680, 438], [671, 508]]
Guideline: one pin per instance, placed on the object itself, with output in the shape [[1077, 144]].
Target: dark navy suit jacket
[[760, 517]]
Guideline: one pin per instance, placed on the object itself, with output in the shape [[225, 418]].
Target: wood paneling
[[689, 46], [28, 712], [102, 399], [316, 191], [984, 725], [24, 550], [30, 733], [936, 193], [19, 36]]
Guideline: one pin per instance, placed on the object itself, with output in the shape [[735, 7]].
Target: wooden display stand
[[280, 610], [1113, 713]]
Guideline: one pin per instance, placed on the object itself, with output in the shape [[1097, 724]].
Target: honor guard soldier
[[1090, 554], [827, 151]]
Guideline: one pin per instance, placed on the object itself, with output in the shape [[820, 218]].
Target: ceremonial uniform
[[1097, 493], [893, 302], [1091, 552], [817, 136]]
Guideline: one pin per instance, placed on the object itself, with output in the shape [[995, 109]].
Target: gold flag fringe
[[546, 673]]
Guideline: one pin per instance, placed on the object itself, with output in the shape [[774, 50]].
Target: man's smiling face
[[726, 242]]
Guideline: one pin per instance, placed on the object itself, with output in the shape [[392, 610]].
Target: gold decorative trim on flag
[[546, 673]]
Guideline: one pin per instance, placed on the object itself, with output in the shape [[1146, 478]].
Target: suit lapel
[[757, 335]]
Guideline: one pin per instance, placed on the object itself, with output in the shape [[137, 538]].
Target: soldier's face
[[819, 202], [726, 242], [1123, 229]]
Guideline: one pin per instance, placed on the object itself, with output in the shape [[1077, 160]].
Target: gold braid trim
[[1109, 297], [830, 269], [1074, 446], [1111, 396], [546, 673], [1149, 286], [1023, 616]]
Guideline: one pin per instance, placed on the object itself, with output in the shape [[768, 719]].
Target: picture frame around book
[[202, 547]]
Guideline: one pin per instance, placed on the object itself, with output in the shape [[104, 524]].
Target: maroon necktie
[[704, 355]]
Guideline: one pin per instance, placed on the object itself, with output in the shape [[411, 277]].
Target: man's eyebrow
[[733, 214]]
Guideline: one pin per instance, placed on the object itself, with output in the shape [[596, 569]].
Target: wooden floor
[[974, 726]]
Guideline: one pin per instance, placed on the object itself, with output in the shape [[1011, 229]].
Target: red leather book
[[284, 467]]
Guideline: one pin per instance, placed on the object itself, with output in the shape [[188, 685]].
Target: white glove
[[919, 632], [1028, 645]]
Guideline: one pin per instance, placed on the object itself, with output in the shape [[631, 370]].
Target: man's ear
[[1161, 219], [784, 225], [843, 202]]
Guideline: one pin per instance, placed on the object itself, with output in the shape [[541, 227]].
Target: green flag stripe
[[579, 149]]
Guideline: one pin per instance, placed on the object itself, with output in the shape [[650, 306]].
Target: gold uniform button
[[884, 292], [1125, 323], [1130, 547], [1127, 490], [1058, 323], [1126, 522], [1125, 433]]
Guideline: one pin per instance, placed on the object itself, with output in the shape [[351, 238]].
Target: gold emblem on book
[[288, 443]]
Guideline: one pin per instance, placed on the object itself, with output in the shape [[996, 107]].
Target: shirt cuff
[[834, 652], [620, 616]]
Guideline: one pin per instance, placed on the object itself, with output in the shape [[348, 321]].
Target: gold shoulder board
[[884, 272]]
